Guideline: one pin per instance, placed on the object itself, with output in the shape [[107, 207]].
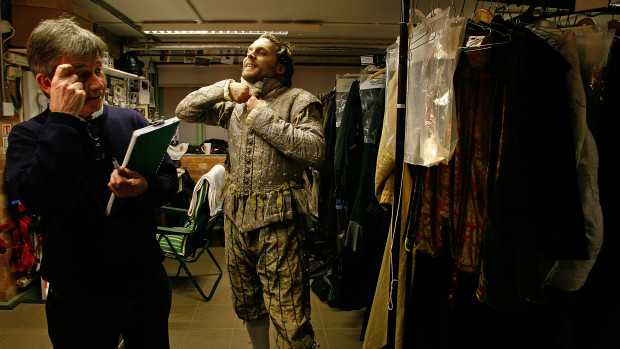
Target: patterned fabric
[[267, 275], [269, 151], [453, 216]]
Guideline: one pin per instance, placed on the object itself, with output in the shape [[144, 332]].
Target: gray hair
[[55, 39]]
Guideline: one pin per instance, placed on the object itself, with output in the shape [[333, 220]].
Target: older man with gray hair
[[105, 272]]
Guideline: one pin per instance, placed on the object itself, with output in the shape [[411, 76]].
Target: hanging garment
[[384, 174], [388, 132], [392, 288], [365, 207], [327, 222], [446, 313], [430, 134], [349, 148], [534, 205], [607, 141], [453, 215], [366, 227], [596, 304], [593, 45], [452, 219], [570, 275], [347, 161], [343, 86]]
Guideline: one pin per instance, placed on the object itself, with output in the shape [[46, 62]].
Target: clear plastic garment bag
[[434, 46]]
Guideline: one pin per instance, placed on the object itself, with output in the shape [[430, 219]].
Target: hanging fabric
[[570, 275], [343, 86], [433, 54], [367, 227], [593, 44], [384, 176]]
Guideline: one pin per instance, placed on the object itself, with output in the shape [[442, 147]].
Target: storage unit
[[26, 15]]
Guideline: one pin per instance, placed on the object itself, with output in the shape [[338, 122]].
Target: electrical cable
[[10, 36]]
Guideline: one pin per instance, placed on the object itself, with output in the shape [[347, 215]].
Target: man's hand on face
[[67, 93], [239, 92]]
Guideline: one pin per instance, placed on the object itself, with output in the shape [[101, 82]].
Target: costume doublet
[[264, 199], [268, 148]]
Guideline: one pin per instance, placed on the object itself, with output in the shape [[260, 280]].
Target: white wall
[[178, 80]]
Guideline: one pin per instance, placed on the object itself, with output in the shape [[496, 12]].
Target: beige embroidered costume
[[269, 149], [264, 199]]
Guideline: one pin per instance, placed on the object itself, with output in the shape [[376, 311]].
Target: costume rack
[[525, 9]]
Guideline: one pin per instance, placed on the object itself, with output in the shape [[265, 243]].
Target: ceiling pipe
[[191, 6], [116, 13]]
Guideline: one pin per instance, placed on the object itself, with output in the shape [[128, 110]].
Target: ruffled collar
[[264, 87]]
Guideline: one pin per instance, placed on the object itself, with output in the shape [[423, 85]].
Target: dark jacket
[[52, 167]]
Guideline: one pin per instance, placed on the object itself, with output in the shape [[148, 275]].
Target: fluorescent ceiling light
[[214, 32], [227, 28]]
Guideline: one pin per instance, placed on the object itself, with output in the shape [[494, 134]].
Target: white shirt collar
[[94, 116]]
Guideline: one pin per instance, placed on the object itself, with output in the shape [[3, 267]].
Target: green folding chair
[[187, 243]]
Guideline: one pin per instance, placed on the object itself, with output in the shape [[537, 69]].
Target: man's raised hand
[[239, 92], [67, 93]]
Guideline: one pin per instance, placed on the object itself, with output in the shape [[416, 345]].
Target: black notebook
[[145, 153]]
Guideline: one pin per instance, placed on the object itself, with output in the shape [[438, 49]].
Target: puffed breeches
[[268, 270]]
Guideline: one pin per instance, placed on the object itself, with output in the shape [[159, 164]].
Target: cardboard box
[[27, 14]]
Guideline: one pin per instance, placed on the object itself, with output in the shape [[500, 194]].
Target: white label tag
[[366, 60], [474, 41]]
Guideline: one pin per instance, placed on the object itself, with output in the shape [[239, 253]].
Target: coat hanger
[[482, 14], [429, 30], [433, 7], [454, 9], [377, 74], [503, 10], [495, 9], [477, 46], [542, 19], [528, 17], [585, 21], [369, 69], [549, 34], [415, 12], [462, 8], [517, 19], [486, 15]]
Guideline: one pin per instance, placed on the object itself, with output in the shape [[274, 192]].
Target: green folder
[[145, 153]]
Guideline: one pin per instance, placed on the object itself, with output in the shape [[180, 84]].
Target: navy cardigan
[[53, 169]]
